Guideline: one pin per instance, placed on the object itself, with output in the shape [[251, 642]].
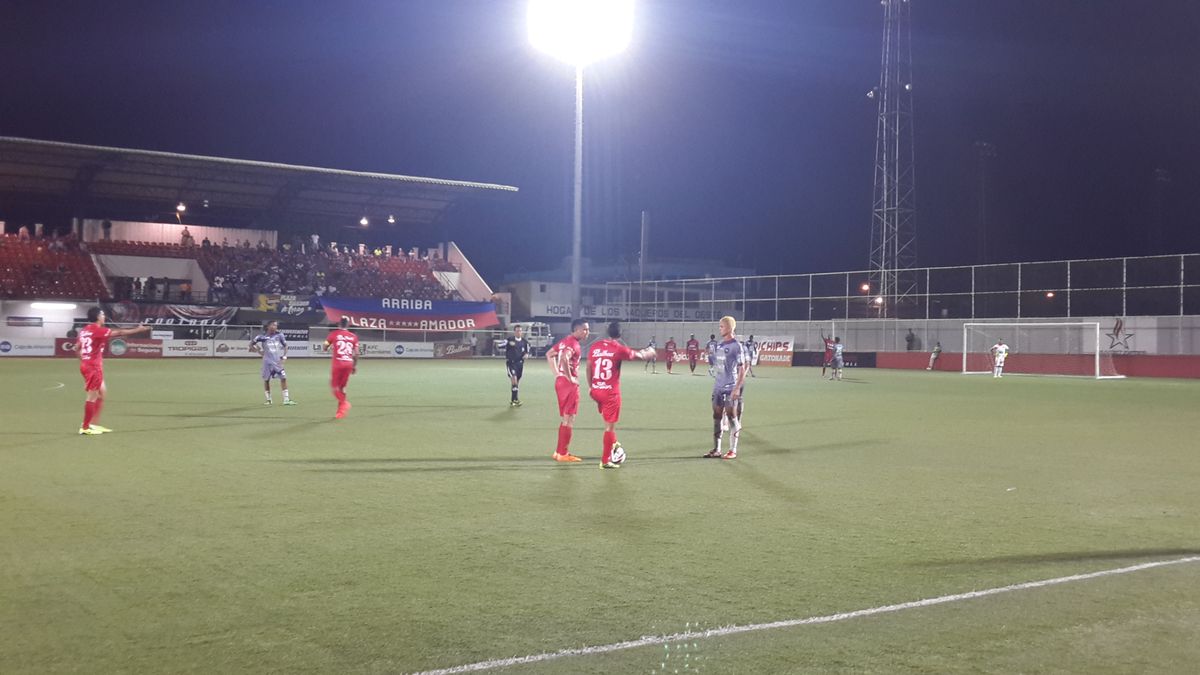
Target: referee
[[515, 350]]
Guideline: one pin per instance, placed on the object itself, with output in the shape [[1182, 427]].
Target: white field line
[[650, 640], [57, 385]]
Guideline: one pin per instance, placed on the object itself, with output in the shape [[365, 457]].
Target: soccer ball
[[618, 455]]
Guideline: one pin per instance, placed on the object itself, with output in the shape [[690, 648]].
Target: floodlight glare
[[580, 31], [181, 207], [52, 305], [391, 220], [363, 221], [879, 300]]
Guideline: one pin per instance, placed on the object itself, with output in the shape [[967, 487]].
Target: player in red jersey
[[344, 363], [604, 380], [828, 353], [91, 343], [564, 363], [693, 352], [670, 347]]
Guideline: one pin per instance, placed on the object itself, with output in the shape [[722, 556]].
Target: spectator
[[474, 345], [205, 244], [910, 340], [263, 245], [185, 238], [23, 233], [246, 244], [225, 242], [106, 228], [185, 291], [316, 240]]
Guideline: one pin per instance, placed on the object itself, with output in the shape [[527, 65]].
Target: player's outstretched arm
[[122, 332], [645, 354]]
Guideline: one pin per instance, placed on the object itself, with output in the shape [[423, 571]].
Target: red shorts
[[93, 376], [568, 396], [340, 376], [608, 402], [670, 356], [692, 358]]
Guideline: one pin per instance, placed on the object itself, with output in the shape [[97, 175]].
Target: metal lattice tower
[[893, 227]]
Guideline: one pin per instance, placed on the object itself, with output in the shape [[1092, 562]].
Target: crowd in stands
[[238, 275], [36, 266], [33, 265], [239, 272]]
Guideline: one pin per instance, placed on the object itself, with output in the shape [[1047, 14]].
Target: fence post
[[973, 294], [1068, 288], [1018, 290], [810, 297], [1124, 283], [777, 297]]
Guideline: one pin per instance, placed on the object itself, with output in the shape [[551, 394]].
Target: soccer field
[[430, 528]]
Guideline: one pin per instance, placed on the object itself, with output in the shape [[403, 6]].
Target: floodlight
[[580, 31], [181, 207], [52, 305], [1049, 294], [878, 300], [364, 222], [866, 288], [391, 220]]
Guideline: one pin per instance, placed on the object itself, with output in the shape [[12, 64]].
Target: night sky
[[723, 117]]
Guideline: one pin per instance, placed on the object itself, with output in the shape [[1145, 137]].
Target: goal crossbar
[[1042, 349]]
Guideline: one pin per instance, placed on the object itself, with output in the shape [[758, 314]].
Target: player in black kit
[[515, 350]]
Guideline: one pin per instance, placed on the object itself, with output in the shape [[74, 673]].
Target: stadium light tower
[[893, 212], [580, 32]]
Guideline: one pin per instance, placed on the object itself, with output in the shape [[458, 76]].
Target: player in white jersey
[[837, 361], [273, 347], [652, 361], [999, 354]]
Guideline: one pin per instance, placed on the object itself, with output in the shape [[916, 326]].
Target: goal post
[[1066, 349]]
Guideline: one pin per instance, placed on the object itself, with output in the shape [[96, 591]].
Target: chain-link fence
[[1146, 286]]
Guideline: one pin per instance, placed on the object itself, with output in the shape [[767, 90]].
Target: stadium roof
[[104, 182]]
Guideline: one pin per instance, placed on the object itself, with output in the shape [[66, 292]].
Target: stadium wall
[[1130, 365], [1135, 335]]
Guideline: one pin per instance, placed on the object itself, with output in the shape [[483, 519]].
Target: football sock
[[340, 395], [610, 438], [717, 435], [285, 395], [514, 392], [89, 408], [564, 439], [735, 434], [268, 394]]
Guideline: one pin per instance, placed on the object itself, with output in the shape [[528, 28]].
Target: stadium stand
[[237, 275], [47, 268]]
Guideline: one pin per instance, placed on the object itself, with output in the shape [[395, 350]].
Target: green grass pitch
[[430, 528]]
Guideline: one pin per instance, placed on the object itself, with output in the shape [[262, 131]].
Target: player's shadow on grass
[[422, 466], [227, 412], [428, 464], [1064, 556]]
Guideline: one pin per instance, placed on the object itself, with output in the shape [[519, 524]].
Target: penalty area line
[[652, 640]]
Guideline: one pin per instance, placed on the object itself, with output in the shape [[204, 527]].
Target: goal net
[[1062, 349]]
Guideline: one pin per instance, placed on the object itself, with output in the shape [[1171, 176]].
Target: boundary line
[[650, 640]]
